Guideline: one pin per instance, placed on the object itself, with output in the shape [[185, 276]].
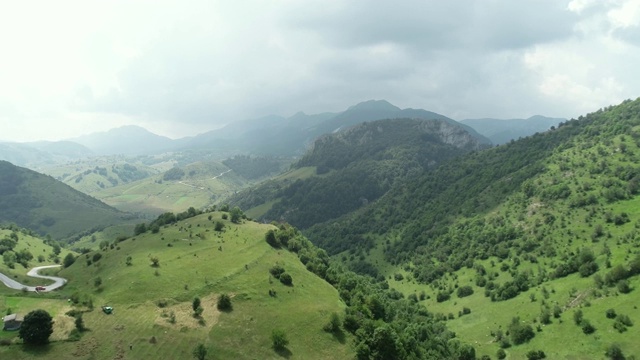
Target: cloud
[[73, 67]]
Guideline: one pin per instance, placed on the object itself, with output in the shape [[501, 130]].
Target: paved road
[[57, 281]]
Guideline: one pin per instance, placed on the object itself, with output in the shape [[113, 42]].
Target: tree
[[236, 215], [79, 322], [279, 339], [69, 260], [155, 262], [271, 239], [218, 226], [614, 352], [286, 279], [465, 290], [200, 352], [196, 303], [140, 229], [36, 327], [334, 324], [56, 249], [224, 303]]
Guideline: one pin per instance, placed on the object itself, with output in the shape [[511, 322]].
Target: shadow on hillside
[[340, 336], [284, 352], [37, 350]]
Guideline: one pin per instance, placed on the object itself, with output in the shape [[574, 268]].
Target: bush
[[611, 314], [279, 339], [464, 291], [501, 354], [624, 287], [536, 355], [587, 328], [614, 352], [286, 279], [334, 324], [442, 296], [276, 271], [218, 226], [68, 260], [224, 303], [520, 333]]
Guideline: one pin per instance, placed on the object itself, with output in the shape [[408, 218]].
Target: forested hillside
[[356, 166], [555, 211], [43, 204]]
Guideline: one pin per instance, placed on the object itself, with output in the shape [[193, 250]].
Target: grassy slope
[[42, 204], [191, 267], [151, 195]]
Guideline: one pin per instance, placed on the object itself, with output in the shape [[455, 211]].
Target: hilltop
[[47, 206]]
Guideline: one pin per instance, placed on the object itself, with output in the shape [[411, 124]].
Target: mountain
[[127, 140], [503, 131], [537, 237], [350, 168], [41, 203], [40, 154], [274, 135]]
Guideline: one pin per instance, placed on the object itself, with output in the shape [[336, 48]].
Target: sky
[[179, 68]]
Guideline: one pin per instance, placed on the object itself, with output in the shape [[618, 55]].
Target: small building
[[12, 322]]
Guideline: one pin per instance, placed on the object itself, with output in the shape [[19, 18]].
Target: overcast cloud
[[179, 68]]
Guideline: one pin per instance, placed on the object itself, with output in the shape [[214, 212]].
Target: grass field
[[195, 260]]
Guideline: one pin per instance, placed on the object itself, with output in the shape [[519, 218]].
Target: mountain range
[[269, 135]]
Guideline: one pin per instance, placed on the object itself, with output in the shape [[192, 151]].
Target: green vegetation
[[36, 327], [542, 225], [356, 167]]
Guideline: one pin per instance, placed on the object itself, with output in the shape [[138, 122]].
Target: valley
[[400, 238]]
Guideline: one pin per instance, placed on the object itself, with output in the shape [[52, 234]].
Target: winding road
[[57, 281]]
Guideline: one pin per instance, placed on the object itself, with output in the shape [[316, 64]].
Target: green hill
[[151, 280], [348, 169], [542, 225], [39, 202]]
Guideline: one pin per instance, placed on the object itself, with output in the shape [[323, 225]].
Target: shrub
[[587, 328], [611, 314], [464, 291], [623, 286], [224, 303], [286, 279], [279, 339], [536, 355], [614, 352], [501, 354], [442, 296], [520, 333], [276, 271], [334, 324]]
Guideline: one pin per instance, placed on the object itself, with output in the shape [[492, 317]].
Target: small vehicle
[[40, 288], [107, 309]]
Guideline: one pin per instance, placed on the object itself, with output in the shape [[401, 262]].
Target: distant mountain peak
[[377, 105]]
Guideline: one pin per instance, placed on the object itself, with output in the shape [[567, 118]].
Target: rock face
[[395, 131]]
